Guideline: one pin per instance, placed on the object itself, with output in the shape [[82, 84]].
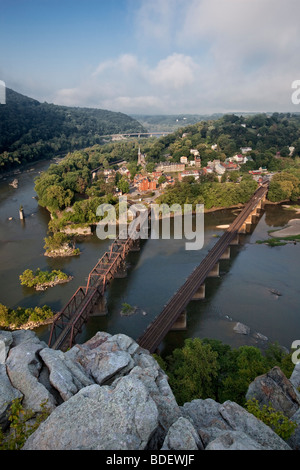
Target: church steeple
[[139, 156]]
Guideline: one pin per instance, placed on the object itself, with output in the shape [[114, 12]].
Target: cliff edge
[[110, 394]]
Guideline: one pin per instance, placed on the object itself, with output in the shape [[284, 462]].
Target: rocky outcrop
[[229, 426], [123, 417], [275, 390], [110, 394]]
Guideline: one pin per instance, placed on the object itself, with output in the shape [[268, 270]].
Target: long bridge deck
[[157, 330]]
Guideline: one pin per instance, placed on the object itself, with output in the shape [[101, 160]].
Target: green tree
[[56, 241], [124, 185], [192, 370]]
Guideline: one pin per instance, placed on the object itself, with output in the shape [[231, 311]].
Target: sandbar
[[293, 228]]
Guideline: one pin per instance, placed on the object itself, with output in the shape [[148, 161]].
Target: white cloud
[[202, 56], [175, 72], [130, 85]]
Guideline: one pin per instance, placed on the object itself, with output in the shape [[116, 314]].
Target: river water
[[240, 294]]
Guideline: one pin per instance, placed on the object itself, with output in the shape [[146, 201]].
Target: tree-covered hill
[[30, 130], [171, 122], [272, 138]]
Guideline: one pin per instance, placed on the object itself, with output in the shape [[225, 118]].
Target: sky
[[153, 56]]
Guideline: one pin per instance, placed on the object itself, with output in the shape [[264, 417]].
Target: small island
[[41, 280], [24, 318], [60, 245]]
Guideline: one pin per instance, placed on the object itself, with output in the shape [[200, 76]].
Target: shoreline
[[292, 229], [43, 287], [31, 325]]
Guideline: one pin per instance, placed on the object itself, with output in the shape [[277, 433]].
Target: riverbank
[[31, 325]]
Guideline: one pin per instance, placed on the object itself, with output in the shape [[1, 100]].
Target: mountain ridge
[[31, 130]]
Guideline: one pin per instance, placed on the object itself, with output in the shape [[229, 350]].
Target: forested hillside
[[30, 130], [268, 136]]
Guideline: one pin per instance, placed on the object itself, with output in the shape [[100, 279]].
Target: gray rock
[[182, 436], [276, 390], [241, 329], [124, 343], [233, 440], [20, 336], [238, 419], [206, 418], [104, 367], [123, 417], [23, 368], [7, 394], [294, 440], [102, 358], [6, 340], [66, 376], [212, 420], [159, 389], [295, 377], [260, 336]]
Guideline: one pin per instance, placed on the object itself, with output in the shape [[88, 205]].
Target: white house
[[219, 169], [246, 150]]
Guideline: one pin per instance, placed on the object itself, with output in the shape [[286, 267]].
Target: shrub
[[20, 429], [276, 420]]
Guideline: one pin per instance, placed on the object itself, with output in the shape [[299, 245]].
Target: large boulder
[[234, 440], [123, 417], [275, 390], [6, 340], [65, 375], [7, 394], [205, 416], [182, 436], [213, 421], [105, 357], [294, 440], [23, 368]]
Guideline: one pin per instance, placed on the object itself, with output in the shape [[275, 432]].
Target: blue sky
[[153, 56]]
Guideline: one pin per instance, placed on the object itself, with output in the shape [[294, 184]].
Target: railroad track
[[157, 330]]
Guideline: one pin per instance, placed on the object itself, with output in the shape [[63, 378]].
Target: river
[[240, 294]]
